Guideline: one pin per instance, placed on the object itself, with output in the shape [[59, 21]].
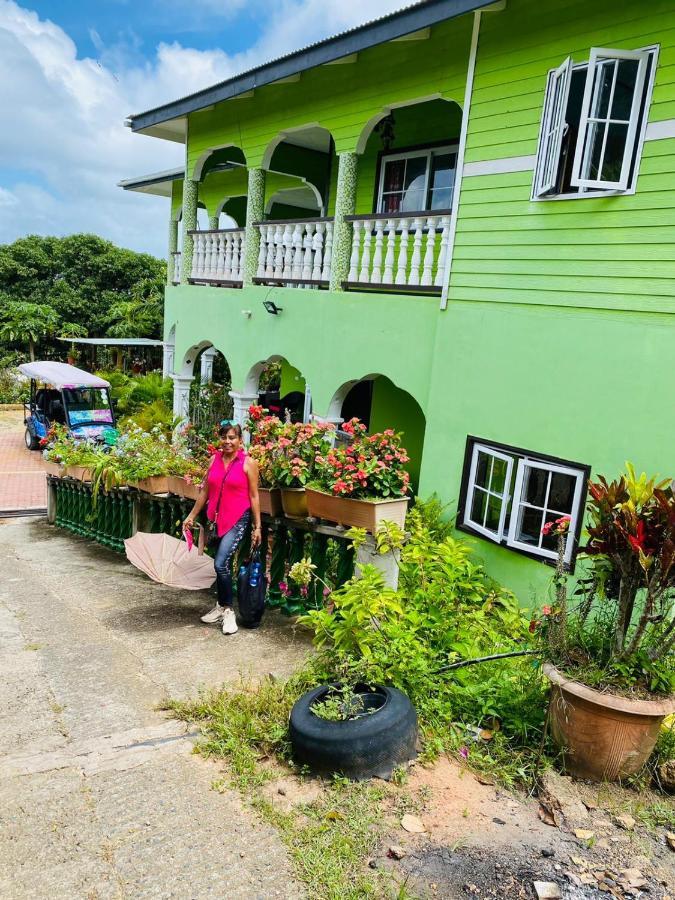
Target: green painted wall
[[291, 379]]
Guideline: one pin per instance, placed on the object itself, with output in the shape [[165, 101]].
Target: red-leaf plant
[[632, 536]]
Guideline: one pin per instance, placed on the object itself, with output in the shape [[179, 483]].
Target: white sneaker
[[229, 621], [214, 615]]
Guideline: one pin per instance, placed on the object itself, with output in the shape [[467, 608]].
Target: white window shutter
[[580, 170], [552, 128]]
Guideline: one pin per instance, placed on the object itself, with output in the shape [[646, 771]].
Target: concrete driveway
[[100, 794]]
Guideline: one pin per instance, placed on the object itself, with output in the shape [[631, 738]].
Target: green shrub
[[13, 388]]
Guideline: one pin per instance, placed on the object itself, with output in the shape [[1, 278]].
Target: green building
[[457, 221]]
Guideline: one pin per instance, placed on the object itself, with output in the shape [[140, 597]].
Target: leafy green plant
[[341, 704], [621, 633]]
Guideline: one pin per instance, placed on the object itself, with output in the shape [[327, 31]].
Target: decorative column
[[173, 247], [345, 205], [168, 351], [241, 402], [206, 373], [181, 397], [190, 198], [255, 211], [213, 222]]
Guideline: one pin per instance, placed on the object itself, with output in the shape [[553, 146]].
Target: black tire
[[32, 443], [367, 747]]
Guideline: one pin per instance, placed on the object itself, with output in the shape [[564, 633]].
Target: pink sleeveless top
[[234, 500]]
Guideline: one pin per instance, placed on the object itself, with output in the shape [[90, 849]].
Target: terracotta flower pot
[[155, 484], [356, 513], [294, 502], [182, 488], [270, 501], [603, 737], [52, 468], [79, 473]]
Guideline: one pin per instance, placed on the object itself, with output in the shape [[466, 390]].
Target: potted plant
[[610, 656], [65, 456], [264, 432], [192, 454], [363, 483], [298, 445]]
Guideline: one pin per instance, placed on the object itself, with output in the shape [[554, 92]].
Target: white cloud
[[63, 116]]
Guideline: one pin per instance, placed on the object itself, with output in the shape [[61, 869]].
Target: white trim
[[500, 166], [519, 504], [471, 69], [552, 128], [486, 450], [599, 56], [658, 131]]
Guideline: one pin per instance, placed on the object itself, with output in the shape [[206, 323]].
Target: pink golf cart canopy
[[61, 375]]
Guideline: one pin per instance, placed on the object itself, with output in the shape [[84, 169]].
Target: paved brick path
[[22, 478]]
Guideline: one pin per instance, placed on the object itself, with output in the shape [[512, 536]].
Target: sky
[[71, 71]]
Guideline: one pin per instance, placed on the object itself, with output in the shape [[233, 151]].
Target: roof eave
[[369, 35]]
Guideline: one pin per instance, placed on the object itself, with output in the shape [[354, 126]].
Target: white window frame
[[552, 128], [519, 504], [600, 55], [480, 527], [429, 153], [651, 51]]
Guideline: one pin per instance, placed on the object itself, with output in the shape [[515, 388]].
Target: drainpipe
[[173, 247], [466, 112]]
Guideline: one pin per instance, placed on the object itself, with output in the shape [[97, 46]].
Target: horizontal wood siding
[[610, 252], [340, 98]]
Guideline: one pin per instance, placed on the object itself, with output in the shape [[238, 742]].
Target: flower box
[[52, 468], [356, 513], [156, 484], [294, 503], [270, 501], [79, 473], [182, 488]]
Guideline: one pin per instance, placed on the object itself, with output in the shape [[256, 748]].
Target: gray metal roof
[[160, 181], [378, 31], [115, 342]]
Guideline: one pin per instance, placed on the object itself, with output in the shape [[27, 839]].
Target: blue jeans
[[223, 559]]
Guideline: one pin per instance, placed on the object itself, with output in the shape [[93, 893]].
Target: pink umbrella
[[170, 561]]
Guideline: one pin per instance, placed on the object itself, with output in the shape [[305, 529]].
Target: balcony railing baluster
[[218, 257]]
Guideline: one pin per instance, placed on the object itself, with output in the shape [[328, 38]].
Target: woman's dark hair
[[226, 425]]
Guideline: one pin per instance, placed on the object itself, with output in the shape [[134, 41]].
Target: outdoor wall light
[[246, 313], [272, 308]]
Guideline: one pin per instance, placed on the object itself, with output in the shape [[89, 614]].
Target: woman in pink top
[[230, 494]]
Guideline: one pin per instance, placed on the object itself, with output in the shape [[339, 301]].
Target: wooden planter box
[[182, 488], [270, 501], [356, 513], [156, 484], [79, 473], [52, 468], [294, 502]]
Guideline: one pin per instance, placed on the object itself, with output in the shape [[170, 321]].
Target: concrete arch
[[225, 201], [369, 126], [283, 195], [288, 135], [225, 153]]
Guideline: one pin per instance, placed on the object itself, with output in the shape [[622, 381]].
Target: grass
[[330, 839]]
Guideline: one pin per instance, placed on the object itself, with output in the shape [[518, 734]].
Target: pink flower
[[464, 752], [327, 592], [304, 590], [283, 587], [546, 610]]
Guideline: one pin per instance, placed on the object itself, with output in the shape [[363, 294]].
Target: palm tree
[[27, 323]]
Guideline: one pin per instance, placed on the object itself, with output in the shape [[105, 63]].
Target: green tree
[[27, 323]]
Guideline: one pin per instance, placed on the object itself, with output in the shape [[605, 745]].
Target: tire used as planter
[[370, 746]]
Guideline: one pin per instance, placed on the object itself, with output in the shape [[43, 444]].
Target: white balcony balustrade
[[295, 253], [176, 266], [398, 252], [218, 256]]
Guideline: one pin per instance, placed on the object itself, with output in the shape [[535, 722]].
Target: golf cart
[[61, 394]]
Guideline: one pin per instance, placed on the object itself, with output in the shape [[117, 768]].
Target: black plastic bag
[[251, 591]]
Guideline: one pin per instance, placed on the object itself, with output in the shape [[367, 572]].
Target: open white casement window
[[509, 495], [553, 127], [543, 493], [610, 114], [488, 494]]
